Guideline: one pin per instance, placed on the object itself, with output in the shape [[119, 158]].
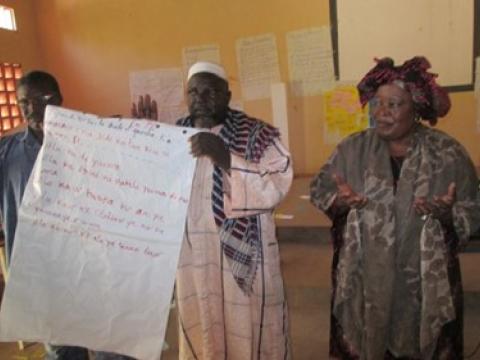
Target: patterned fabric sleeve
[[253, 188], [323, 189], [466, 210]]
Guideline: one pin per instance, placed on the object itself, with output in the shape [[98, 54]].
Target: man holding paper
[[230, 292], [18, 153]]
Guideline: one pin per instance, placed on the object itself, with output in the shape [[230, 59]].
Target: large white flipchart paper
[[99, 234]]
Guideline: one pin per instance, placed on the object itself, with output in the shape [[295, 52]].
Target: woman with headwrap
[[403, 200]]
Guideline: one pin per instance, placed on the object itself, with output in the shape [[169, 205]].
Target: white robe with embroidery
[[216, 319]]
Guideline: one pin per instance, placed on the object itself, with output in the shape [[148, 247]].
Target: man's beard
[[205, 122]]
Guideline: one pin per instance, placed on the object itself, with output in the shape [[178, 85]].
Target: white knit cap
[[207, 67]]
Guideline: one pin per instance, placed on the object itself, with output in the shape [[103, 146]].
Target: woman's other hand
[[440, 207]]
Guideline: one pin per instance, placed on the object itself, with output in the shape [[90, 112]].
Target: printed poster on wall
[[99, 235], [343, 113]]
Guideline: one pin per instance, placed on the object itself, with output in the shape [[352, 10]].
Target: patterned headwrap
[[430, 99]]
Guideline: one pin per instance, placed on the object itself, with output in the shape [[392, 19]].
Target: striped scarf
[[240, 237]]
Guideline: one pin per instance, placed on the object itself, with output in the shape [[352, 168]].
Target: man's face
[[393, 112], [32, 103], [207, 99]]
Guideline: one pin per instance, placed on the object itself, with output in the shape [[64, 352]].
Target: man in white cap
[[229, 286]]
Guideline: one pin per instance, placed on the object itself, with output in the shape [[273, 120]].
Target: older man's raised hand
[[145, 108]]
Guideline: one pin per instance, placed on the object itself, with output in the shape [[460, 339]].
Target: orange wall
[[21, 46], [92, 45]]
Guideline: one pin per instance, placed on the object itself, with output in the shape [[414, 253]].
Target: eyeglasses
[[390, 104], [35, 100]]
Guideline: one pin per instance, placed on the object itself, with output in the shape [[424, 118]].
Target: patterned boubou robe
[[230, 292], [396, 278]]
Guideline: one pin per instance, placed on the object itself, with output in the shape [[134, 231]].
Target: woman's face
[[393, 112]]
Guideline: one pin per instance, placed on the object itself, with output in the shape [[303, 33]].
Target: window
[[7, 18], [9, 112]]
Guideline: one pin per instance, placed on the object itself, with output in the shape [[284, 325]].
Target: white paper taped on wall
[[165, 86], [310, 61], [257, 60], [192, 54]]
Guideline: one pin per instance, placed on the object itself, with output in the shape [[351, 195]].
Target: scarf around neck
[[240, 237]]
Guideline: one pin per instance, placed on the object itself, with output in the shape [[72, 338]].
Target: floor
[[306, 256]]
